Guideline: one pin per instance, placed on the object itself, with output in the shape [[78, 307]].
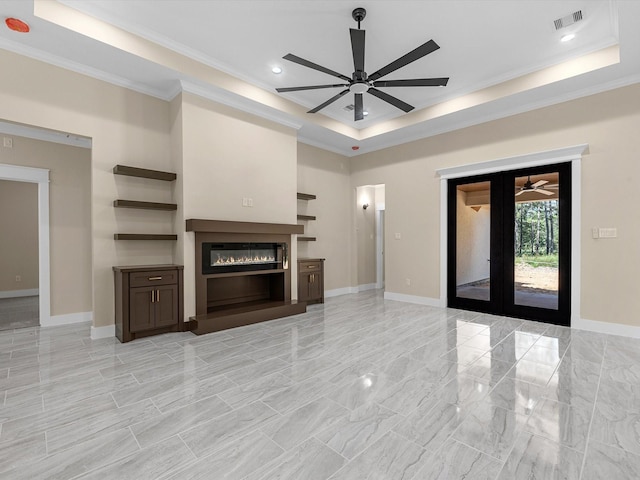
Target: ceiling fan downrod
[[358, 15]]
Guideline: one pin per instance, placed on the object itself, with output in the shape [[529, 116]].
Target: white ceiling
[[483, 43]]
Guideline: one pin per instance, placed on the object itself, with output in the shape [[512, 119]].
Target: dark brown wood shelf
[[243, 274], [143, 236], [306, 217], [225, 226], [306, 196], [144, 205], [244, 315], [144, 173], [306, 239]]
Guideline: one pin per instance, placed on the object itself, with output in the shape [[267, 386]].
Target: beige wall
[[18, 235], [126, 128], [608, 122], [326, 175], [228, 155], [69, 217]]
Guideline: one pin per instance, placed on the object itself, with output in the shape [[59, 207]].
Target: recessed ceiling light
[[568, 37], [276, 70]]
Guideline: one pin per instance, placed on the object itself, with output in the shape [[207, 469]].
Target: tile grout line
[[593, 410]]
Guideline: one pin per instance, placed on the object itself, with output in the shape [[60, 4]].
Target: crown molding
[[240, 103], [61, 62]]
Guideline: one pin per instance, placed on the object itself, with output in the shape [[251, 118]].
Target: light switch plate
[[608, 232]]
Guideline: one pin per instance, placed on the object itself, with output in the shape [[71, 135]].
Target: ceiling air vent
[[350, 108], [568, 20]]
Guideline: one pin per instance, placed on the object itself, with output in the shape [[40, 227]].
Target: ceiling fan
[[360, 82], [535, 187]]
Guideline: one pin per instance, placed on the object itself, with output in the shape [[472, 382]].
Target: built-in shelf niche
[[304, 217], [140, 205]]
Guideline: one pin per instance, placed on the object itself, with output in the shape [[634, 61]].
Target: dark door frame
[[502, 246]]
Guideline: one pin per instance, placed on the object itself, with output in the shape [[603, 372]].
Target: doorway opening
[[40, 177], [509, 243], [18, 255], [370, 233]]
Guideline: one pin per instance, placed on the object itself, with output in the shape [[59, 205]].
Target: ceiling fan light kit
[[361, 83], [529, 186]]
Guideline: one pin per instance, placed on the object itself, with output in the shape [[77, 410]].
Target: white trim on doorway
[[571, 154], [41, 177]]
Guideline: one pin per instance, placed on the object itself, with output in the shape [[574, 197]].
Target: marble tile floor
[[357, 388], [19, 312]]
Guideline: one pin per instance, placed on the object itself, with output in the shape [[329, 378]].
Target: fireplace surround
[[242, 273]]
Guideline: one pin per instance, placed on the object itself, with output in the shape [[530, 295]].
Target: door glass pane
[[473, 230], [536, 241]]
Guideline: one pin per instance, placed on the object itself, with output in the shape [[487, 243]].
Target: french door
[[509, 243]]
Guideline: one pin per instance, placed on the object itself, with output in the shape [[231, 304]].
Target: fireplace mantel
[[225, 226], [232, 299]]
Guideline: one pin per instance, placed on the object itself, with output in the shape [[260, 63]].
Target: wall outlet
[[18, 278], [398, 236], [250, 202], [245, 202], [7, 142], [595, 233], [408, 281], [608, 232]]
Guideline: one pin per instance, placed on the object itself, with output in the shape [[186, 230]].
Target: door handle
[[157, 295], [153, 296]]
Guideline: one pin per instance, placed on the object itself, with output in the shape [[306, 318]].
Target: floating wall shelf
[[144, 173], [306, 217], [306, 239], [306, 196], [144, 236], [144, 205]]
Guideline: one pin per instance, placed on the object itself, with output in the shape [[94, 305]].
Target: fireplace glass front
[[240, 257]]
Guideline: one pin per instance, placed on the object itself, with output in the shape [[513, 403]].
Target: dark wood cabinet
[[311, 280], [149, 300]]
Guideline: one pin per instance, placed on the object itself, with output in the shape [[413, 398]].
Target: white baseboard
[[340, 291], [366, 286], [103, 332], [67, 319], [606, 327], [30, 292], [401, 297]]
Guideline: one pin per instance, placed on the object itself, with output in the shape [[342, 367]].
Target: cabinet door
[[166, 305], [304, 287], [142, 311], [315, 286]]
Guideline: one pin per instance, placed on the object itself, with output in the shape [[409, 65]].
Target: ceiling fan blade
[[520, 192], [328, 102], [358, 112], [539, 183], [405, 107], [554, 186], [416, 82], [306, 63], [357, 46], [310, 87], [544, 192], [412, 56]]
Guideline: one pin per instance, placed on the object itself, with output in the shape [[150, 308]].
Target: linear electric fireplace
[[243, 257], [242, 273]]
